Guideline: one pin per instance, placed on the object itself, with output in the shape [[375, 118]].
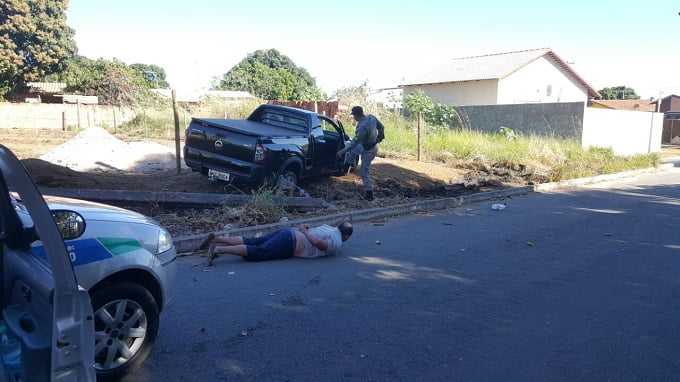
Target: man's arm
[[316, 242], [358, 138], [381, 129], [379, 124]]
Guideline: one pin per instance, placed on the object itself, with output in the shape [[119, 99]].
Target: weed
[[262, 208]]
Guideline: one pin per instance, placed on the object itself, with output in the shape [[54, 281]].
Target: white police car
[[127, 263]]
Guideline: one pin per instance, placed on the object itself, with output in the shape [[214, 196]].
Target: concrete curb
[[191, 243]]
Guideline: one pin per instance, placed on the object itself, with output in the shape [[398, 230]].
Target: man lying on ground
[[281, 244]]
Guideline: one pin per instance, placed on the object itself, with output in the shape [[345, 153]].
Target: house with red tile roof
[[624, 104]]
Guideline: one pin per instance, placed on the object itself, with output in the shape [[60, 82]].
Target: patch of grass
[[262, 208], [158, 122], [216, 108], [538, 158]]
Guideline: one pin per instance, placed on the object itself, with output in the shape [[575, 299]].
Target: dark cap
[[357, 110]]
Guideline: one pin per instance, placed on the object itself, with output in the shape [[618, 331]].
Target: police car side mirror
[[70, 223]]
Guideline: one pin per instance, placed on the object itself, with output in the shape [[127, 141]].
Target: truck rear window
[[283, 119]]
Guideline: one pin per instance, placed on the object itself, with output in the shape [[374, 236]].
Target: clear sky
[[345, 43]]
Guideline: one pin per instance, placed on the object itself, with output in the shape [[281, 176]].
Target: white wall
[[530, 84], [460, 93], [54, 115], [627, 132]]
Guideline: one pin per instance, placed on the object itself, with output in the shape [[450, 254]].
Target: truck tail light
[[260, 154]]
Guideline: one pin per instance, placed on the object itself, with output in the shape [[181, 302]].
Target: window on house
[[548, 91]]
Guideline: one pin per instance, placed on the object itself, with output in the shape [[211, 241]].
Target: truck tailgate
[[220, 146]]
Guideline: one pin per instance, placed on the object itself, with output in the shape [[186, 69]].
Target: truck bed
[[255, 129]]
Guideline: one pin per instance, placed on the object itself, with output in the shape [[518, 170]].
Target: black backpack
[[381, 131]]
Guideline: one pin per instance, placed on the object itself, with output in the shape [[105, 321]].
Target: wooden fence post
[[177, 148], [78, 112], [63, 121], [420, 119]]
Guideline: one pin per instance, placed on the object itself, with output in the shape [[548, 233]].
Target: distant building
[[624, 104], [670, 107], [669, 103], [194, 96], [529, 76], [46, 87], [389, 98], [229, 94], [53, 92]]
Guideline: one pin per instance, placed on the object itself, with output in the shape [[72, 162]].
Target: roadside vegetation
[[510, 156], [537, 159], [446, 138]]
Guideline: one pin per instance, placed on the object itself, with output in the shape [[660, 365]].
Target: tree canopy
[[114, 82], [435, 114], [154, 75], [270, 75], [34, 41], [618, 92]]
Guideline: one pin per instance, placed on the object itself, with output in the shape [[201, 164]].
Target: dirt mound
[[96, 149], [47, 174]]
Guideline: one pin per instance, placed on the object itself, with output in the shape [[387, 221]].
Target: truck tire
[[287, 176], [347, 168]]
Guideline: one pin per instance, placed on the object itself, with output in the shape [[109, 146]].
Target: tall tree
[[34, 41], [154, 75], [270, 75], [618, 92], [113, 82]]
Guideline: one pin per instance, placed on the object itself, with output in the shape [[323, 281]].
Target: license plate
[[218, 174]]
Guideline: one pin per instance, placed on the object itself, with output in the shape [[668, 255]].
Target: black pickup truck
[[274, 143]]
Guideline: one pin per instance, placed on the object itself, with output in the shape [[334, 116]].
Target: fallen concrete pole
[[177, 199]]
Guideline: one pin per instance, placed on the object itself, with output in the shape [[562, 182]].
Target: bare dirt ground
[[396, 181]]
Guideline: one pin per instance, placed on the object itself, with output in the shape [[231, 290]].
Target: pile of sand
[[96, 149]]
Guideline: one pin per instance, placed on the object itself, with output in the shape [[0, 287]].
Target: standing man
[[366, 135]]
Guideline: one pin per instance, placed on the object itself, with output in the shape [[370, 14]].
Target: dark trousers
[[272, 246]]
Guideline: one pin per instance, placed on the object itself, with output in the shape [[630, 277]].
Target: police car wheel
[[126, 325]]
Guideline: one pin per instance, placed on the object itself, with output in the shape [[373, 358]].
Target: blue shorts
[[272, 246]]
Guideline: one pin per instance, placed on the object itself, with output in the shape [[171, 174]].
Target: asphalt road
[[572, 285]]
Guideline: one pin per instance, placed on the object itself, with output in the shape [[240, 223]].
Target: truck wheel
[[347, 168], [288, 177], [126, 325]]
